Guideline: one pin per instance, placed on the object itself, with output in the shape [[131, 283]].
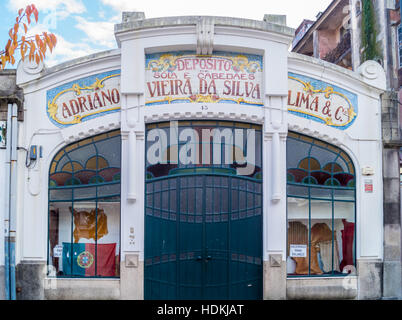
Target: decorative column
[[133, 164], [275, 133], [274, 161]]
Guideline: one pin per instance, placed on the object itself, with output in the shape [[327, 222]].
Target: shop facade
[[200, 160]]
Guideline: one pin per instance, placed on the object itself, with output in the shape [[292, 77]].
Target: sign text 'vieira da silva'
[[184, 77]]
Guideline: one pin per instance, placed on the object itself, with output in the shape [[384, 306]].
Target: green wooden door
[[203, 237]]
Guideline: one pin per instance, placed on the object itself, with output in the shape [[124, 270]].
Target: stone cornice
[[194, 20]]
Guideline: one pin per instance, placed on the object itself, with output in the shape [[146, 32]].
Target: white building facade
[[97, 218]]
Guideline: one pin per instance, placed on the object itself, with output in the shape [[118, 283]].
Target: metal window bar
[[331, 187], [183, 177], [54, 169]]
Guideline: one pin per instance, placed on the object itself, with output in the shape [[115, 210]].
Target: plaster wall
[[328, 39]]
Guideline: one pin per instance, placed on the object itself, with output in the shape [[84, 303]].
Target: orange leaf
[[10, 33], [22, 52], [36, 13], [49, 44], [12, 49], [16, 26], [12, 60], [32, 50], [3, 62], [8, 45], [37, 59], [20, 11], [46, 39], [28, 10], [25, 28], [54, 39]]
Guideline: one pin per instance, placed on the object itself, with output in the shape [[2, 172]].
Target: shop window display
[[84, 208], [320, 208]]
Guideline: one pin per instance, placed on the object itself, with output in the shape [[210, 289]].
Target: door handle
[[199, 258]]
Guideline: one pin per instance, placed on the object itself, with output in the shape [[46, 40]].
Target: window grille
[[321, 208], [84, 208]]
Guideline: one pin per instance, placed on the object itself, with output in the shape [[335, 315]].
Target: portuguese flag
[[79, 259]]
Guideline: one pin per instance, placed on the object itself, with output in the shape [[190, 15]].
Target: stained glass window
[[321, 202], [84, 208]]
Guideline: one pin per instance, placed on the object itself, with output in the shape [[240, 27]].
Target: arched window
[[321, 202], [84, 208]]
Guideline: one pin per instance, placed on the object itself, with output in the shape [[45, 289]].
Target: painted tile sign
[[84, 99], [183, 77], [322, 102]]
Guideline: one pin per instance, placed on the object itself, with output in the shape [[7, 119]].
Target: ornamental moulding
[[315, 134], [154, 117], [79, 132]]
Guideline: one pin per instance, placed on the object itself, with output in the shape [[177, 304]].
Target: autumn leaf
[[28, 10], [32, 50], [11, 50], [38, 41], [36, 13], [3, 62], [8, 45], [54, 39], [37, 45]]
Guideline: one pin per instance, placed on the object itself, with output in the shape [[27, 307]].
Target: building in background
[[348, 33], [327, 38]]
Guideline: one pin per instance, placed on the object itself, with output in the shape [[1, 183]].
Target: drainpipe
[[10, 193]]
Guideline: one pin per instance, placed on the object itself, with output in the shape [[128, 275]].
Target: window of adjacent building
[[400, 164], [321, 206], [400, 45], [358, 8], [84, 208]]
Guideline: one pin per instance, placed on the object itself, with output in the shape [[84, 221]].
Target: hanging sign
[[298, 251], [320, 101], [84, 99], [184, 77]]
